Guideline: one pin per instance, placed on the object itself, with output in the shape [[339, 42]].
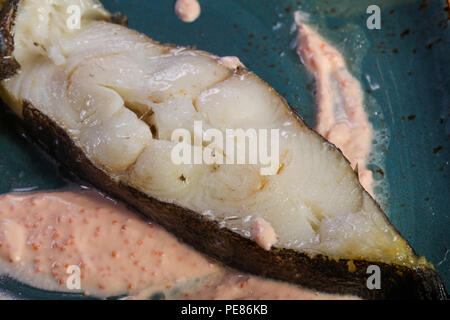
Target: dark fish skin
[[318, 273], [8, 65]]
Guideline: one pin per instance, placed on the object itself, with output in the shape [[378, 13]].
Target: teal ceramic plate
[[403, 68]]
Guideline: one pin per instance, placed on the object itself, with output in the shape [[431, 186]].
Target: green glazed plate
[[403, 67]]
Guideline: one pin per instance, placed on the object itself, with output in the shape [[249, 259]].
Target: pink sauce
[[117, 251], [233, 286], [187, 10], [263, 233], [341, 117]]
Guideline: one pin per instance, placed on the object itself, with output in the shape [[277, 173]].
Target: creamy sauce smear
[[341, 117], [117, 251]]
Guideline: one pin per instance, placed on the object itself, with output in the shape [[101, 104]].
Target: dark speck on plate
[[432, 43], [437, 149], [424, 5], [405, 33]]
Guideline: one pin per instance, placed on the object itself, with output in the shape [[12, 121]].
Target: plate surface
[[403, 68]]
